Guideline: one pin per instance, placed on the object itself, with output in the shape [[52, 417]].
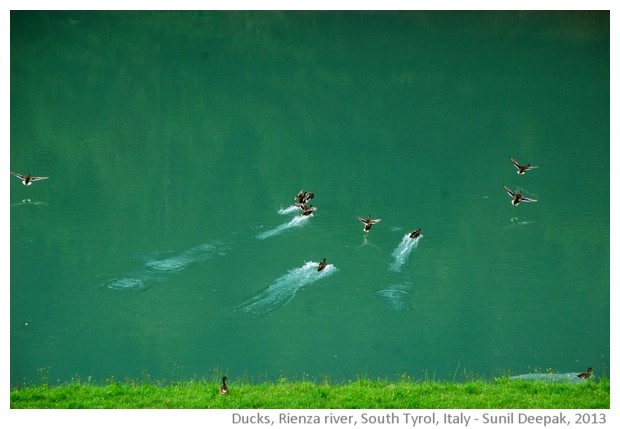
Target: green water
[[156, 251]]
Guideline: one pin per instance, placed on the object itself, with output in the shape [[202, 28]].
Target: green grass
[[502, 393]]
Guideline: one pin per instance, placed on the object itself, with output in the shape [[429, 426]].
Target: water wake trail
[[183, 259], [283, 290], [401, 253], [395, 297], [570, 377], [297, 221], [159, 270], [289, 209]]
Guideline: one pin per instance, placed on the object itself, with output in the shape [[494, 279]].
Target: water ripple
[[159, 270], [284, 289]]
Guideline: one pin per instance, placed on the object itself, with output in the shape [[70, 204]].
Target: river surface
[[165, 244]]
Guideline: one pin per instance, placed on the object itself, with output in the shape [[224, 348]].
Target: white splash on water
[[570, 377], [296, 222], [283, 290], [401, 253], [290, 209]]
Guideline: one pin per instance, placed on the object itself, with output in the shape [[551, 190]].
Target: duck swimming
[[586, 374], [322, 264], [517, 197], [224, 387], [416, 233], [521, 169], [303, 197], [368, 222], [306, 209], [27, 179]]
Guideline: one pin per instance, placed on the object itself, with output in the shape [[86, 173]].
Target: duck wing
[[511, 193], [515, 163]]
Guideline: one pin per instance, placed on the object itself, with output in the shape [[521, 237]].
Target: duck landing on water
[[306, 209], [368, 222], [303, 197], [27, 179], [517, 197]]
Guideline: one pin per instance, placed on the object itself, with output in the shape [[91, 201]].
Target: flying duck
[[416, 233], [517, 197], [306, 209], [322, 264], [586, 374], [27, 179], [521, 169], [223, 387], [303, 197], [368, 222]]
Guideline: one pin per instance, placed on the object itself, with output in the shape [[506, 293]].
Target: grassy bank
[[367, 394]]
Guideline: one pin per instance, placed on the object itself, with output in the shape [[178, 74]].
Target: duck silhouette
[[368, 222], [586, 374], [306, 209], [521, 169], [303, 197], [518, 197], [224, 387], [27, 179], [416, 233]]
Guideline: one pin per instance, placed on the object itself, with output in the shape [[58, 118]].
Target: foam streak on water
[[159, 270], [297, 221], [570, 377], [401, 253], [289, 209], [283, 290], [183, 259]]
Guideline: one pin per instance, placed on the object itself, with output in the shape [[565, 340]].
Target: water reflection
[[159, 270], [284, 289], [189, 96]]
